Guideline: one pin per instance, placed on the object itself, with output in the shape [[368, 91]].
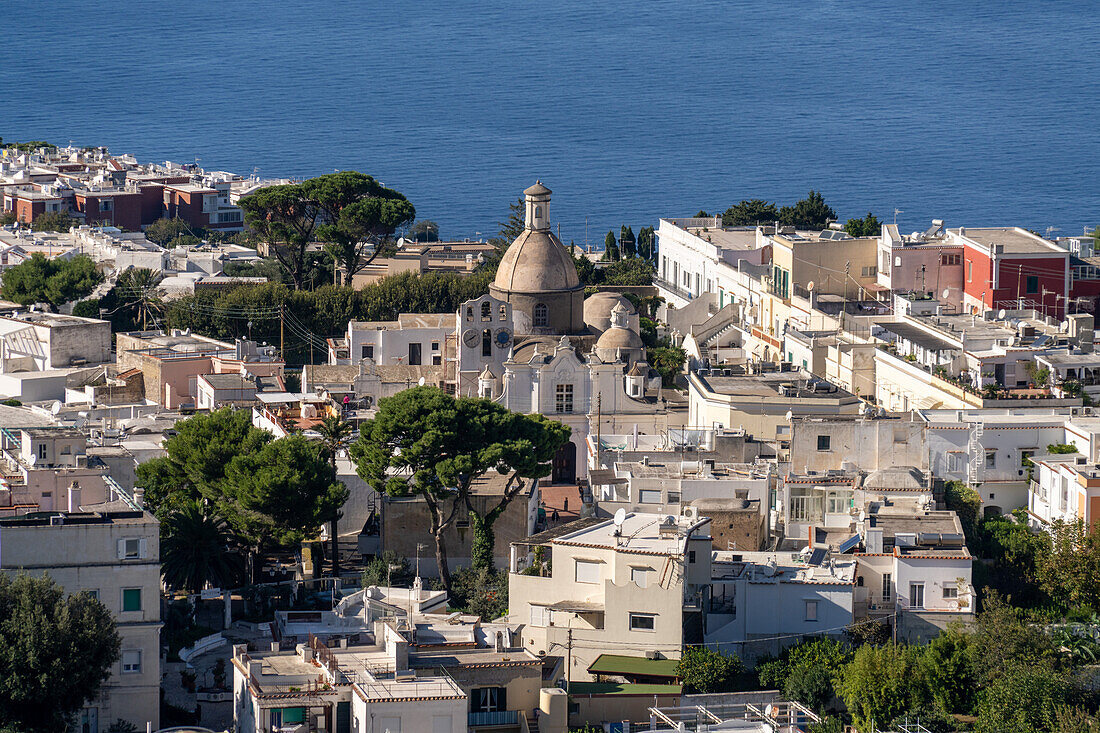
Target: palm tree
[[197, 549], [335, 433], [137, 294]]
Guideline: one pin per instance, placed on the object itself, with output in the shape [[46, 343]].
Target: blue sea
[[977, 113]]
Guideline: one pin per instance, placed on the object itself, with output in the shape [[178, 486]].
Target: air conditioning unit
[[652, 654]]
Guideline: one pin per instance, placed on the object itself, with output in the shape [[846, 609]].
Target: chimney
[[139, 497], [74, 497], [499, 643]]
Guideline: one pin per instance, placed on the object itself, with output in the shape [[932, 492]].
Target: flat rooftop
[[52, 320], [638, 533], [795, 385], [742, 238], [1013, 239]]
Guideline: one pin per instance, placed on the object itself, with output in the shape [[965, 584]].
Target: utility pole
[[282, 342], [599, 426], [568, 656]]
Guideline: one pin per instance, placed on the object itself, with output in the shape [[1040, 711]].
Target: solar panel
[[817, 557], [849, 544], [1040, 342]]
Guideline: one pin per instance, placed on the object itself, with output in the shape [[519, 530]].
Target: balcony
[[673, 288], [495, 719]]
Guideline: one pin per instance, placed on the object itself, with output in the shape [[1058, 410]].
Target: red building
[[1011, 268], [111, 207]]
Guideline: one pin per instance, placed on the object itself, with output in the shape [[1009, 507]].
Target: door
[[565, 464], [916, 595]]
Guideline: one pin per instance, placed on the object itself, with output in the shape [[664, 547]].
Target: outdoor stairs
[[532, 722]]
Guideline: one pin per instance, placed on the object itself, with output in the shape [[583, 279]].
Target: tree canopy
[[54, 281], [868, 226], [704, 670], [423, 441], [610, 248], [53, 221], [197, 549], [809, 213], [171, 233], [56, 651], [750, 212]]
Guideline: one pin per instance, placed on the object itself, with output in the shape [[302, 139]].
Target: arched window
[[538, 212], [503, 312], [486, 343], [486, 312], [859, 581], [542, 315], [469, 313]]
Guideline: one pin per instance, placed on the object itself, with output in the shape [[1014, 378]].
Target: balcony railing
[[496, 718]]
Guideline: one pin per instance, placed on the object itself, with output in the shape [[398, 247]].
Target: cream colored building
[[115, 556], [625, 589]]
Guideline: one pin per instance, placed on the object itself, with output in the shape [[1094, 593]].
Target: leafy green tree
[[749, 212], [868, 226], [669, 362], [423, 441], [56, 651], [87, 308], [387, 569], [481, 591], [704, 670], [946, 666], [610, 248], [166, 232], [284, 218], [196, 458], [647, 243], [335, 434], [357, 216], [628, 272], [53, 221], [282, 493], [197, 550], [1070, 572], [805, 671], [878, 684], [628, 243], [1001, 638], [425, 231], [810, 213], [7, 219], [586, 270], [53, 281], [1023, 698], [137, 297], [967, 504], [1056, 449]]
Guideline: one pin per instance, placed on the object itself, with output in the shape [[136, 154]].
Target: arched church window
[[487, 342], [469, 313], [538, 212], [542, 315], [486, 312], [503, 312]]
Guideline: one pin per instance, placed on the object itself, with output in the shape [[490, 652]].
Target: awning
[[626, 666], [577, 606]]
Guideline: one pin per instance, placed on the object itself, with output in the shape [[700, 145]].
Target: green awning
[[615, 688], [620, 664]]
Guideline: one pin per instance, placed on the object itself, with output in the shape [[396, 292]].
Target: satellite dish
[[789, 416], [620, 517], [32, 459], [1063, 326], [946, 293], [670, 520], [810, 286], [55, 407], [769, 711], [1001, 313], [420, 381]]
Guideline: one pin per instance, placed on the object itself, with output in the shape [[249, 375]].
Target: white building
[[1065, 487], [115, 556]]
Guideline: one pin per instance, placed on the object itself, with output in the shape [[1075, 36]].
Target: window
[[970, 271], [435, 346], [916, 595], [990, 459], [642, 622], [563, 398], [838, 504], [640, 576], [131, 599], [691, 557], [950, 592], [869, 271], [887, 588], [131, 661], [41, 451], [1032, 283], [956, 462], [414, 354], [487, 343], [650, 496], [366, 352], [93, 592], [469, 313], [542, 315], [503, 312], [486, 312], [823, 442], [106, 204], [131, 549], [811, 611], [587, 571], [950, 259], [540, 616], [488, 700]]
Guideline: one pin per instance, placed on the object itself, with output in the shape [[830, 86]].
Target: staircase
[[977, 454], [532, 722]]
